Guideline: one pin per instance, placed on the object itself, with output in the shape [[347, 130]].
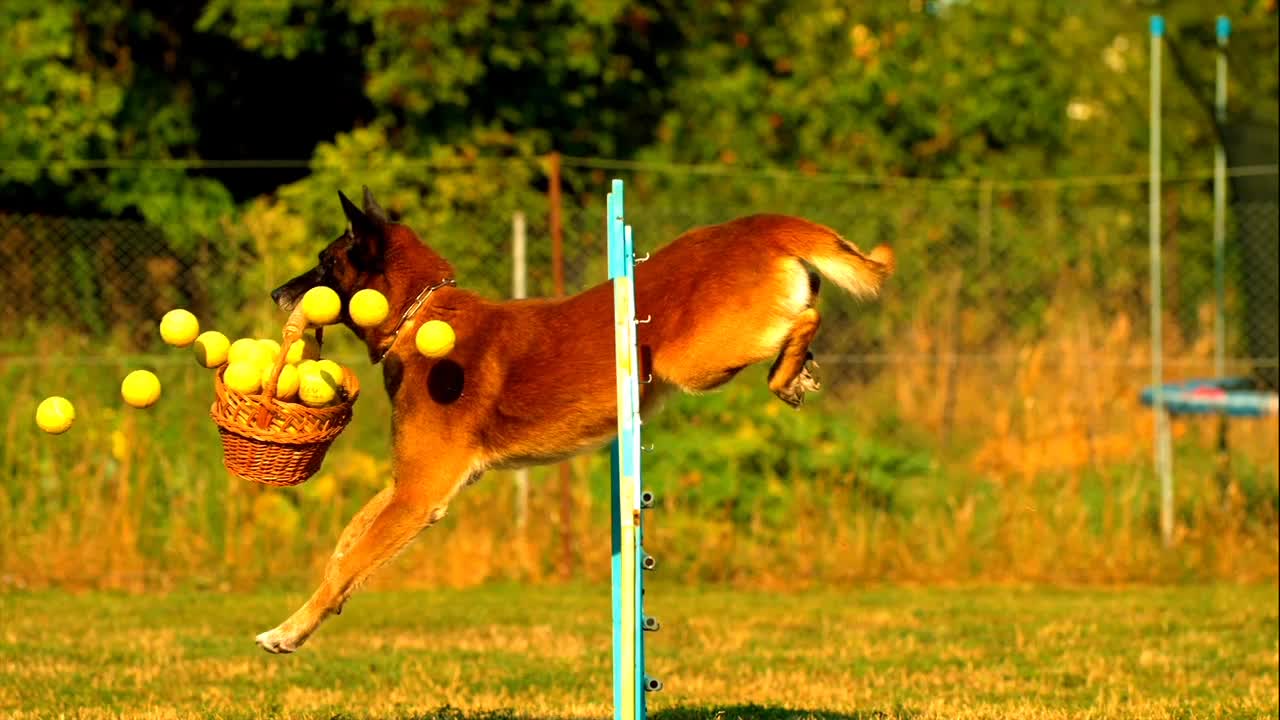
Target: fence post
[[1162, 442], [519, 291]]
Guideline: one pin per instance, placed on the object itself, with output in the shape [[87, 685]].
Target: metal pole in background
[[1220, 204], [1162, 443], [1223, 463], [519, 291]]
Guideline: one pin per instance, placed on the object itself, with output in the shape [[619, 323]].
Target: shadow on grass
[[764, 712], [711, 712]]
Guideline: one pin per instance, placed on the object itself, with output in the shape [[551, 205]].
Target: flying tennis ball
[[243, 376], [286, 385], [211, 348], [141, 388], [316, 388], [179, 328], [321, 305], [368, 308], [435, 338], [304, 348], [54, 415]]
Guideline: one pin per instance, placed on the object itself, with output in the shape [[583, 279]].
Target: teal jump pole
[[630, 683]]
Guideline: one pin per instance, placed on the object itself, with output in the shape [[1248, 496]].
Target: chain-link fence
[[986, 268]]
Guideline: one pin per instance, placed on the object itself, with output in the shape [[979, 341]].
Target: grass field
[[498, 652]]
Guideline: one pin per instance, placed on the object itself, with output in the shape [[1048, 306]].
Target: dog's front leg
[[381, 529]]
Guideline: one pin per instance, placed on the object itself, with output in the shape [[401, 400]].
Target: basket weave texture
[[273, 442]]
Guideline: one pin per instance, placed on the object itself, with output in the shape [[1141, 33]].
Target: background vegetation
[[981, 422]]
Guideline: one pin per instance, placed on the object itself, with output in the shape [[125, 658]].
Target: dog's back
[[540, 373]]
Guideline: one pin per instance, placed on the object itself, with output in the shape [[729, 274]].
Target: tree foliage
[[119, 108]]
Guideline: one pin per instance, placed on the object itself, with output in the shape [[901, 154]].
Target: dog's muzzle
[[287, 295]]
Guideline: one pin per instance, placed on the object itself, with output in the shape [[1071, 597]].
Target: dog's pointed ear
[[361, 224], [354, 216], [373, 209], [367, 229]]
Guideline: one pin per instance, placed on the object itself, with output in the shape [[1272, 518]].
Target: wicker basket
[[269, 441]]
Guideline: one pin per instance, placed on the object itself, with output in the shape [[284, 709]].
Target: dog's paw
[[804, 381], [278, 642]]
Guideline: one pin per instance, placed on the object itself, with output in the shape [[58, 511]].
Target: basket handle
[[294, 327]]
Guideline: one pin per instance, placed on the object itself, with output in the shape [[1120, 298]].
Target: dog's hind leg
[[375, 535], [791, 377]]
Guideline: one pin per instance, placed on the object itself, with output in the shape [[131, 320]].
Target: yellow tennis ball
[[435, 338], [54, 415], [332, 369], [270, 351], [304, 348], [141, 388], [321, 306], [368, 308], [316, 388], [246, 350], [211, 348], [243, 376], [179, 328], [286, 384]]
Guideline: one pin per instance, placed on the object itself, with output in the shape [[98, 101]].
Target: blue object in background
[[1228, 396]]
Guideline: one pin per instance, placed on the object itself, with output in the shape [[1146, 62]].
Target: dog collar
[[411, 311]]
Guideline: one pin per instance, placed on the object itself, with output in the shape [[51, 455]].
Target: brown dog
[[532, 381]]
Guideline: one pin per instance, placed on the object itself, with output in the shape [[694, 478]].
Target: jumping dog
[[533, 381]]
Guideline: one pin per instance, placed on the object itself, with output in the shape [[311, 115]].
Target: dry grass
[[1039, 472], [540, 653]]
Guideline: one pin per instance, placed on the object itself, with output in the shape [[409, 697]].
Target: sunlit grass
[[1204, 651]]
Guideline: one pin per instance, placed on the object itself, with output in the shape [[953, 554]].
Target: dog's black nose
[[284, 297]]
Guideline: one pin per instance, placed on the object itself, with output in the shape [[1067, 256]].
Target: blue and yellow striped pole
[[629, 680]]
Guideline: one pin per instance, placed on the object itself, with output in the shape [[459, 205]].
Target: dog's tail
[[841, 262]]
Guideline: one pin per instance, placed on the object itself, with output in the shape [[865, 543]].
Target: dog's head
[[354, 261]]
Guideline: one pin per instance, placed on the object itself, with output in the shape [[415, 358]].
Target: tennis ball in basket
[[179, 328], [286, 385], [247, 350], [211, 348], [243, 376], [270, 349], [368, 308], [435, 338], [332, 369], [316, 388], [54, 415], [321, 305], [141, 388], [304, 348]]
